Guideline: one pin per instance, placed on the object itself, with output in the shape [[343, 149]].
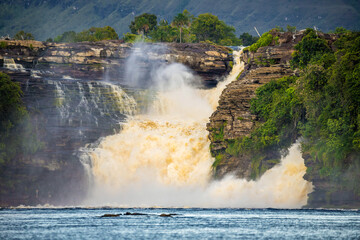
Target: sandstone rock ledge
[[92, 60], [233, 117]]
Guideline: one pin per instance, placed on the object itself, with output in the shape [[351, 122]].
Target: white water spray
[[162, 158]]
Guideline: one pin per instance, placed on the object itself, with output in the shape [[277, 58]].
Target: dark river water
[[83, 223]]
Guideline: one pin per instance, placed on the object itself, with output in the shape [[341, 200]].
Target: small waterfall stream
[[89, 100], [9, 63]]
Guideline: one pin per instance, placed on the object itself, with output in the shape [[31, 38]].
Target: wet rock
[[167, 215], [135, 214], [110, 215]]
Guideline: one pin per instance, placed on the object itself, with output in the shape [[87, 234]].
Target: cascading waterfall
[[9, 63], [162, 158], [91, 100]]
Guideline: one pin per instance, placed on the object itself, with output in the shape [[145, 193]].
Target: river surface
[[189, 223]]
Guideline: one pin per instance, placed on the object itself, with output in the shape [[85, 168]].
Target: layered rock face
[[97, 59], [76, 93], [232, 118]]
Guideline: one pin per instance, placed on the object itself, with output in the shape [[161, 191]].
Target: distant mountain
[[49, 18]]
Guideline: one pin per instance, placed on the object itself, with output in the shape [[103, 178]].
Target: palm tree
[[181, 20]]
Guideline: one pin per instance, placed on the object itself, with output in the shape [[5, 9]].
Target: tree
[[69, 36], [310, 48], [12, 112], [181, 20], [248, 39], [164, 32], [129, 37], [143, 24], [21, 35], [341, 30], [208, 27], [291, 29], [94, 34], [279, 29]]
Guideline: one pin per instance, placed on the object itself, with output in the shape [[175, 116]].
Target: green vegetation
[[69, 36], [3, 44], [21, 35], [247, 39], [262, 61], [92, 35], [265, 40], [291, 29], [321, 105], [340, 30], [143, 24], [13, 121], [53, 17], [165, 33], [182, 20], [145, 27], [311, 48], [184, 28], [218, 134], [218, 160], [208, 27]]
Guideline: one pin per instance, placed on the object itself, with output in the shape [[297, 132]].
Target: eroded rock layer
[[232, 118], [96, 59]]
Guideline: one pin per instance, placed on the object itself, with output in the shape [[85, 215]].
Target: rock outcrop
[[97, 60], [232, 118]]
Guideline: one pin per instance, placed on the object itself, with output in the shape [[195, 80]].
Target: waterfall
[[9, 63], [162, 158], [88, 101]]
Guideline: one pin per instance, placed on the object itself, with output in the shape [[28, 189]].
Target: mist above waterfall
[[162, 157]]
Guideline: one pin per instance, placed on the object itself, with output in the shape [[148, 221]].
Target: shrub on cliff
[[310, 48], [21, 35], [279, 110], [265, 40]]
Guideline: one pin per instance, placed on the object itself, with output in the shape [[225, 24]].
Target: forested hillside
[[49, 18]]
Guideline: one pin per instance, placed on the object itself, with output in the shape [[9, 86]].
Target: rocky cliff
[[76, 93], [232, 118], [233, 121], [97, 59]]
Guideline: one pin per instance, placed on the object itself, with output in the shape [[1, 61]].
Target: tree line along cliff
[[50, 18]]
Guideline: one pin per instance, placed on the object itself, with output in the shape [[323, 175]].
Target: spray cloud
[[162, 158]]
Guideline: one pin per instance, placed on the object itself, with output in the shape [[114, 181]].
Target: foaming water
[[213, 95], [162, 158]]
